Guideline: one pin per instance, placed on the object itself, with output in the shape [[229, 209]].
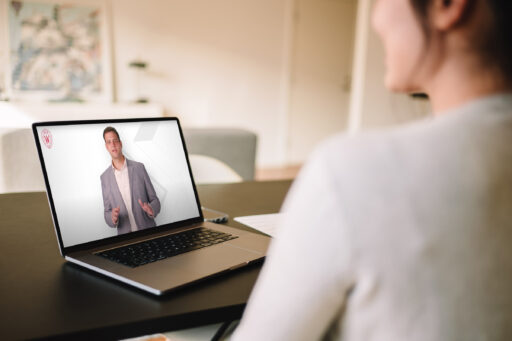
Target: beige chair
[[207, 170], [20, 164], [234, 147]]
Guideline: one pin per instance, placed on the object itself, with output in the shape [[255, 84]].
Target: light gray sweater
[[403, 234]]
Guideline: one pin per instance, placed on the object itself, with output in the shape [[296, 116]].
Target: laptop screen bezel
[[98, 243]]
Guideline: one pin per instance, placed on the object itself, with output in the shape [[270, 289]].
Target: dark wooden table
[[42, 296]]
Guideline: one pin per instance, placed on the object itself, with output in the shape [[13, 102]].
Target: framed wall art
[[57, 50]]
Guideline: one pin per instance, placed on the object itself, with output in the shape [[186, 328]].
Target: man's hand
[[115, 215], [145, 206]]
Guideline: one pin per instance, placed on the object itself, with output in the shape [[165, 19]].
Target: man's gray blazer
[[140, 188]]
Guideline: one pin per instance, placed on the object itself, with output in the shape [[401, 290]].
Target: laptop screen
[[114, 178]]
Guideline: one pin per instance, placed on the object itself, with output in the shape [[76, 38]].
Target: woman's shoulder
[[375, 143], [491, 112]]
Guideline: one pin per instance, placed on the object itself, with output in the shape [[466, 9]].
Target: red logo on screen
[[47, 138]]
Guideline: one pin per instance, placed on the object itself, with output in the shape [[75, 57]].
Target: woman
[[405, 234]]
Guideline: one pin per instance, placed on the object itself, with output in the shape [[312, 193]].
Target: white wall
[[320, 73], [251, 64], [211, 63]]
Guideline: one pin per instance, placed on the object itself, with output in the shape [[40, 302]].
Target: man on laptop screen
[[122, 183]]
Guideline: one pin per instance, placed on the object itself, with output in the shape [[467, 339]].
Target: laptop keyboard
[[149, 251]]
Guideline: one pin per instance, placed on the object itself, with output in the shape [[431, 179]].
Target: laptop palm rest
[[174, 272]]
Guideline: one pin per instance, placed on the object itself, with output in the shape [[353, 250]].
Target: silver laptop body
[[83, 187]]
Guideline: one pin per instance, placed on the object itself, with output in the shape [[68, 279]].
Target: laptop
[[124, 204]]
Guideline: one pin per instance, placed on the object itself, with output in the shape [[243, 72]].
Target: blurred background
[[290, 71]]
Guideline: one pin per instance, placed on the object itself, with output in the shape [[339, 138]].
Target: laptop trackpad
[[220, 258], [192, 266]]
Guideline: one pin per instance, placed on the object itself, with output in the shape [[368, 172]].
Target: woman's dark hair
[[496, 47]]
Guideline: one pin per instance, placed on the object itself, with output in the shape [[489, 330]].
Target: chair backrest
[[208, 170], [20, 163], [235, 147]]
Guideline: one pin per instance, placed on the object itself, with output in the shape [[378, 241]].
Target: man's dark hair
[[108, 130], [495, 45]]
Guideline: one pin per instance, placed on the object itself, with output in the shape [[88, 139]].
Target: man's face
[[114, 145]]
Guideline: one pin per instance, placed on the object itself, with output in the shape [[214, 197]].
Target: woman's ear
[[446, 14]]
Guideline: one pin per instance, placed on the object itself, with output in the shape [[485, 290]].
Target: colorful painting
[[57, 51]]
